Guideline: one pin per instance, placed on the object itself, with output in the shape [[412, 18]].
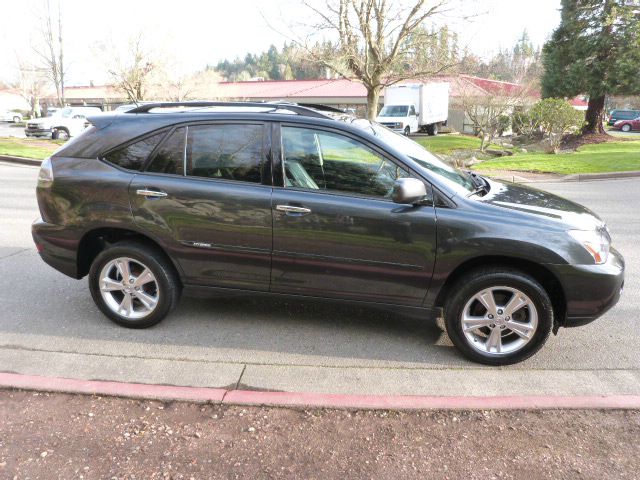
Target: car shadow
[[62, 316]]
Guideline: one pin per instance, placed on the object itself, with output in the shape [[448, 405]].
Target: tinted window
[[230, 152], [170, 155], [625, 114], [133, 156], [317, 160]]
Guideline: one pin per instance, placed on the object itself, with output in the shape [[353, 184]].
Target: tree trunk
[[594, 116], [373, 99]]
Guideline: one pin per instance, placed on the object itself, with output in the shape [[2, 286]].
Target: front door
[[336, 231], [206, 195]]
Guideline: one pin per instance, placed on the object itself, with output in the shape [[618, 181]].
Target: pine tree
[[596, 52]]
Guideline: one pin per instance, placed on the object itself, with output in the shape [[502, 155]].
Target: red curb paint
[[315, 400], [117, 389], [408, 402]]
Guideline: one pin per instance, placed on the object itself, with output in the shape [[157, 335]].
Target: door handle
[[292, 209], [151, 193]]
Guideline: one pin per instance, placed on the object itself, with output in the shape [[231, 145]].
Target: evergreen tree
[[595, 51]]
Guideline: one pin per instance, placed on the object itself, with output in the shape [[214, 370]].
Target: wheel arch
[[95, 241], [539, 272]]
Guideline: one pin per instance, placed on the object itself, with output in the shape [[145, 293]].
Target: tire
[[533, 318], [162, 292], [17, 119], [626, 128], [60, 134], [432, 129], [407, 131]]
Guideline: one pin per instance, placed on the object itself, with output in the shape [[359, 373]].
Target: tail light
[[45, 177]]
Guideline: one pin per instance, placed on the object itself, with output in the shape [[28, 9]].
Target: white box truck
[[415, 107]]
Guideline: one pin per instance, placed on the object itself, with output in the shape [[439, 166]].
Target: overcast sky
[[199, 32]]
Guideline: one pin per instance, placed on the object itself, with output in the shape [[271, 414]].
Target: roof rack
[[307, 110]]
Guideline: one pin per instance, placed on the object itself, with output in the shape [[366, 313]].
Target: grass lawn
[[28, 148], [603, 157], [448, 143]]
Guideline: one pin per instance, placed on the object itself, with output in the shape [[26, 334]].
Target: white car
[[63, 124], [9, 116]]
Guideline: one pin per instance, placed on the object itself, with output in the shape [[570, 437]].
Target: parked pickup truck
[[63, 124]]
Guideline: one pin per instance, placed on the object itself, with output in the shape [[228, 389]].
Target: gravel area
[[47, 436]]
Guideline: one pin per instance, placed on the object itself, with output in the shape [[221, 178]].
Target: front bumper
[[38, 132], [591, 290]]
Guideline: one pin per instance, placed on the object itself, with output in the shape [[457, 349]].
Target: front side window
[[229, 152], [170, 156], [319, 160], [133, 156]]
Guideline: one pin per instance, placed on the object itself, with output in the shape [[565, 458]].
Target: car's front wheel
[[133, 284], [17, 119], [60, 134], [498, 316]]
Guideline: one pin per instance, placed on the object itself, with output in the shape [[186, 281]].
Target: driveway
[[50, 326]]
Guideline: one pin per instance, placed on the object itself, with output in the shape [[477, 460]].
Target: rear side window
[[229, 152], [170, 156], [133, 156], [625, 114]]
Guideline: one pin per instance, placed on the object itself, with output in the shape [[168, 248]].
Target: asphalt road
[[50, 326], [8, 129]]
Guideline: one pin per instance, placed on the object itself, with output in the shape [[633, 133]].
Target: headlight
[[45, 177], [595, 242], [399, 125]]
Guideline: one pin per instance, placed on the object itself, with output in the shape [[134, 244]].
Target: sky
[[194, 33]]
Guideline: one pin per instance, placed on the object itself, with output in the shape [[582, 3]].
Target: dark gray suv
[[290, 200]]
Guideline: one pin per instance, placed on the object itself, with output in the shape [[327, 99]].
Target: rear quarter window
[[134, 155]]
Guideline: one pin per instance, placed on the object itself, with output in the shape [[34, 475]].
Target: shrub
[[556, 117]]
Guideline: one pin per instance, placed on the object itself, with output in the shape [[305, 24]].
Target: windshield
[[454, 178], [394, 111]]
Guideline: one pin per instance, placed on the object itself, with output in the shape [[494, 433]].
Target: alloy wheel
[[129, 288], [499, 320]]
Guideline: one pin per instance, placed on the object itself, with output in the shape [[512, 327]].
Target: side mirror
[[408, 190], [417, 114]]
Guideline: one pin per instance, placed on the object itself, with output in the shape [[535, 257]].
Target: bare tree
[[50, 48], [486, 108], [132, 72], [32, 84], [378, 42]]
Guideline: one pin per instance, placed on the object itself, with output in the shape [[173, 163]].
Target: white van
[[415, 107]]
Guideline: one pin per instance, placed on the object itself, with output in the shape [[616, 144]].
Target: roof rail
[[306, 110]]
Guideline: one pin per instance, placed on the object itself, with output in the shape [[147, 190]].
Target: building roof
[[337, 90], [275, 89]]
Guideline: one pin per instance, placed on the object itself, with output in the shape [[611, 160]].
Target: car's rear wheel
[[498, 316], [133, 284], [16, 119], [432, 129], [626, 127]]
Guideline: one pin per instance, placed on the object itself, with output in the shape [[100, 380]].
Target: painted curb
[[314, 400], [20, 160]]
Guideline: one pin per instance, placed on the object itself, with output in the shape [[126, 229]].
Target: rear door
[[336, 231], [206, 193]]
